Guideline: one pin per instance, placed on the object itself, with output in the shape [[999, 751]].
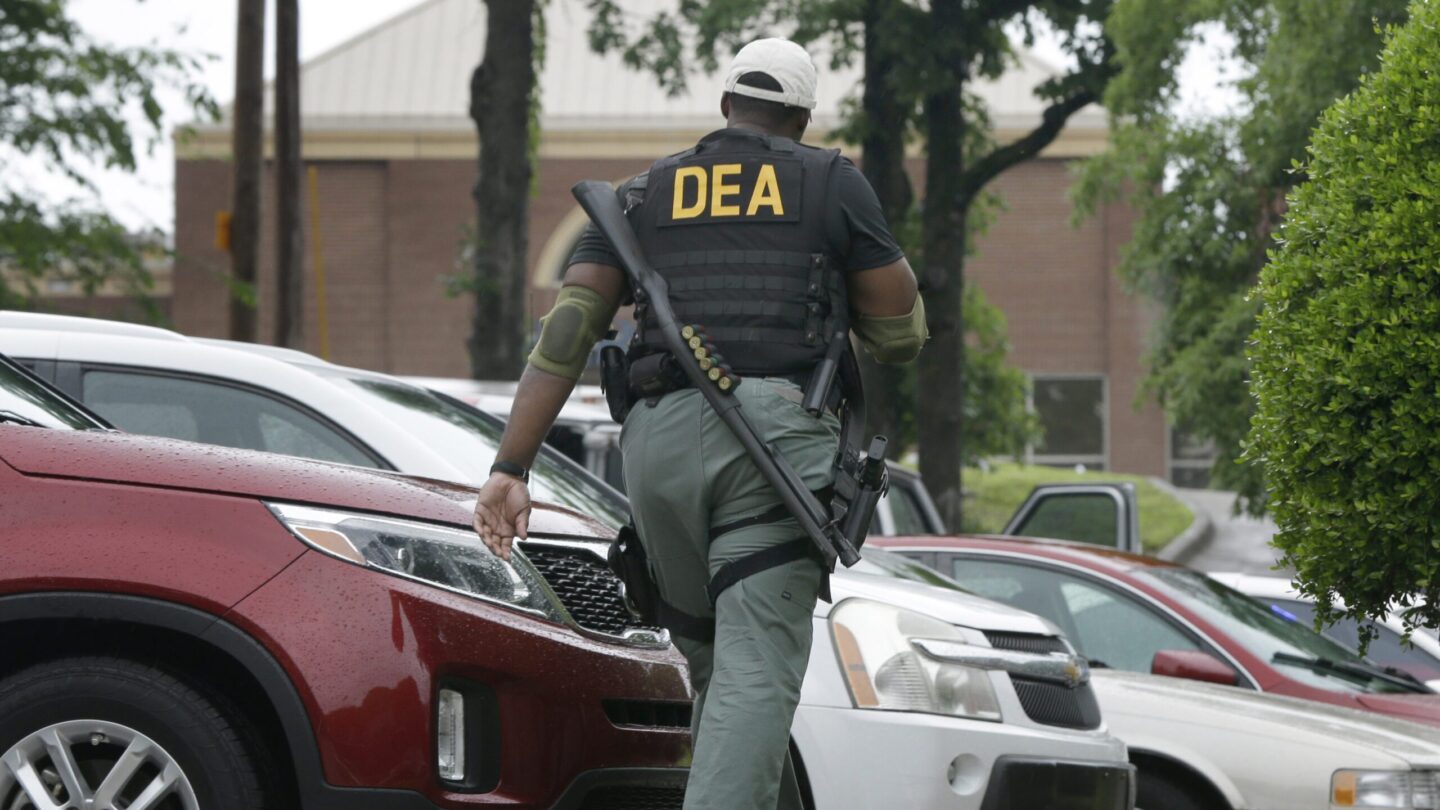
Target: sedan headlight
[[884, 670], [449, 558], [1407, 790]]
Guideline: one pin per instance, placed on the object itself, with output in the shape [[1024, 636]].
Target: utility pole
[[247, 140], [289, 238]]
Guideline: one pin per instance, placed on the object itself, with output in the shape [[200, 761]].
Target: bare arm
[[883, 291], [541, 395], [888, 313], [502, 511]]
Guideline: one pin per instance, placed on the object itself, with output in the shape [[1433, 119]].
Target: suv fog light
[[450, 736], [1409, 790]]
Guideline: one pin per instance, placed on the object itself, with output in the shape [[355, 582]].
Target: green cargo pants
[[685, 473]]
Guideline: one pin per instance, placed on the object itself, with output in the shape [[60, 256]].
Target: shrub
[[1346, 357]]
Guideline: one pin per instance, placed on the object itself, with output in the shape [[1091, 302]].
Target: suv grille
[[1053, 704], [1025, 642], [1047, 703], [634, 798], [586, 586]]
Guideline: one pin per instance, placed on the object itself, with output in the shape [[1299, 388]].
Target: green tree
[[1209, 191], [1346, 359], [66, 102], [930, 55]]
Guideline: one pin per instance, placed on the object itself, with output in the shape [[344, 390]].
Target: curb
[[1195, 538]]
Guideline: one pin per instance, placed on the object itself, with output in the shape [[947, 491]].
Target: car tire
[[1156, 791], [112, 729]]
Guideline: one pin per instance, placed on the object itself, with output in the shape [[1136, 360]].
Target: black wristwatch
[[511, 468]]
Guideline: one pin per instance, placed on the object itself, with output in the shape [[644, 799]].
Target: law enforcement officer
[[771, 245]]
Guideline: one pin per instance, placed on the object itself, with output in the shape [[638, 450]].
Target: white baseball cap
[[781, 60]]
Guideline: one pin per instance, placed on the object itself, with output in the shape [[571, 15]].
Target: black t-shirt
[[855, 213]]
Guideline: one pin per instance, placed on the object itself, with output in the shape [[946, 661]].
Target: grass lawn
[[992, 497]]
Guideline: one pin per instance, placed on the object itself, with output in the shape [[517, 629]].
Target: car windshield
[[471, 438], [1386, 649], [1276, 637], [890, 564], [25, 400]]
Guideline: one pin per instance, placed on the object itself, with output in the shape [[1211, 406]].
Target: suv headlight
[[1408, 790], [884, 670], [449, 558]]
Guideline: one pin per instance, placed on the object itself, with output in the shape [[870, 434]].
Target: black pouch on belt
[[615, 382], [655, 375], [627, 559]]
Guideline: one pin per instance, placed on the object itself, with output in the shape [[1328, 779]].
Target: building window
[[1074, 416], [1191, 459]]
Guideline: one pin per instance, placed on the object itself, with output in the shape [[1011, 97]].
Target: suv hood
[[172, 464], [955, 607]]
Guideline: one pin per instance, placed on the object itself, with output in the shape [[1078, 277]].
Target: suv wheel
[[112, 734]]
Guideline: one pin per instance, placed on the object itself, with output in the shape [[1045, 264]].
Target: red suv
[[188, 626]]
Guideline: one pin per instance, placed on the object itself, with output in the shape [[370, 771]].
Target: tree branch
[[1001, 158]]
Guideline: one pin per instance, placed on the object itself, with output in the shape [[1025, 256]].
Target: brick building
[[386, 128]]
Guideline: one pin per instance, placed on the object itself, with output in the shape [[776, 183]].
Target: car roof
[[1091, 556], [14, 319]]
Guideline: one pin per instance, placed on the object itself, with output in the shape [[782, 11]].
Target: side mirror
[[1193, 665]]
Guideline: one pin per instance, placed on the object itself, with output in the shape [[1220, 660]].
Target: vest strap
[[742, 334], [728, 258], [756, 282], [702, 311]]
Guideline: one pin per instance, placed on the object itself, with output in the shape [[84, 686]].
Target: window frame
[[1072, 459], [75, 380], [1202, 640], [1172, 464]]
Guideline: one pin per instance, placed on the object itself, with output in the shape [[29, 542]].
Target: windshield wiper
[[1354, 670], [18, 419]]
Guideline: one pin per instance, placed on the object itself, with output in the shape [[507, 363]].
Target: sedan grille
[[634, 798], [586, 587], [1053, 704], [1025, 642]]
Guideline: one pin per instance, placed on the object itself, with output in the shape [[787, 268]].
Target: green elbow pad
[[579, 319], [896, 338]]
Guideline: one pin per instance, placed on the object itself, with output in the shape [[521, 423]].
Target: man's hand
[[502, 513]]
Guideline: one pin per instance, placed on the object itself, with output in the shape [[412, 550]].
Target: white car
[[1421, 657], [1236, 748], [1201, 746], [585, 433], [998, 713]]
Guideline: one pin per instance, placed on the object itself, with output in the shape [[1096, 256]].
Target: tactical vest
[[737, 227]]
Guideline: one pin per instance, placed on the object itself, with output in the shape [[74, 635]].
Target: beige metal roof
[[412, 74]]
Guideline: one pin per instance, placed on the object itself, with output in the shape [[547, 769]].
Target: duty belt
[[659, 384]]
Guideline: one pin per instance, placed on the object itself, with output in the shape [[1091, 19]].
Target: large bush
[[1346, 358]]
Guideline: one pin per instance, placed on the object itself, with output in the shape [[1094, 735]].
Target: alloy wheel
[[92, 765]]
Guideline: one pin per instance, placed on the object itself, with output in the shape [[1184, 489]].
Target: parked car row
[[1008, 729], [345, 636]]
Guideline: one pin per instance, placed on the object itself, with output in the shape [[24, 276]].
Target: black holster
[[627, 559], [615, 382]]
